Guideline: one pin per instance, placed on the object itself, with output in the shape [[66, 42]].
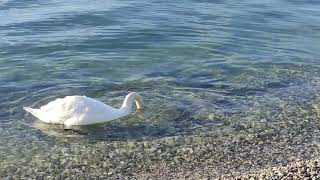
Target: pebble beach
[[287, 149]]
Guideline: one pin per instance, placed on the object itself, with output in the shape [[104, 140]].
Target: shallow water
[[202, 67]]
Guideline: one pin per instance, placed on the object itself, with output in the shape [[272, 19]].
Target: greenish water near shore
[[221, 81]]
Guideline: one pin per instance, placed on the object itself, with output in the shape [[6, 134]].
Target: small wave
[[3, 2]]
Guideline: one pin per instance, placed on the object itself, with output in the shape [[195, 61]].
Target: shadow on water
[[135, 127]]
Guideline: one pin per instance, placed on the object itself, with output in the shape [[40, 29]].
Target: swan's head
[[138, 101], [128, 101]]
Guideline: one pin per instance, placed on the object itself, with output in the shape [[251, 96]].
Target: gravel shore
[[287, 148], [299, 170]]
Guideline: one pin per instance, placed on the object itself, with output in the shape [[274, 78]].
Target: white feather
[[82, 110]]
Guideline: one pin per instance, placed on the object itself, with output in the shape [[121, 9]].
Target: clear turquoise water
[[191, 61]]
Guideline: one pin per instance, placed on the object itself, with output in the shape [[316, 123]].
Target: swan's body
[[82, 110]]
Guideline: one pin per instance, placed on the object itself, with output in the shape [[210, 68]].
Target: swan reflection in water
[[119, 129]]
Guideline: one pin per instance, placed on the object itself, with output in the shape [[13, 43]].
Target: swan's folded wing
[[57, 111], [76, 110]]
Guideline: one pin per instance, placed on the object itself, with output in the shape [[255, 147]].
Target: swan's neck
[[128, 102]]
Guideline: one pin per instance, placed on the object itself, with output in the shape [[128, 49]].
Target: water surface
[[202, 68]]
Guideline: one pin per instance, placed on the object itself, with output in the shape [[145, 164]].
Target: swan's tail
[[35, 112]]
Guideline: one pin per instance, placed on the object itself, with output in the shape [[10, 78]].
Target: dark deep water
[[200, 66]]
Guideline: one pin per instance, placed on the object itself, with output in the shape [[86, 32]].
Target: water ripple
[[197, 64]]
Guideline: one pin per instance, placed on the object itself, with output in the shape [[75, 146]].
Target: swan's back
[[75, 104]]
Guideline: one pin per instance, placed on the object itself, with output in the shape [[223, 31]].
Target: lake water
[[211, 73]]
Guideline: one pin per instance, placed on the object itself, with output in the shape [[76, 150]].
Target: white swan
[[82, 110]]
